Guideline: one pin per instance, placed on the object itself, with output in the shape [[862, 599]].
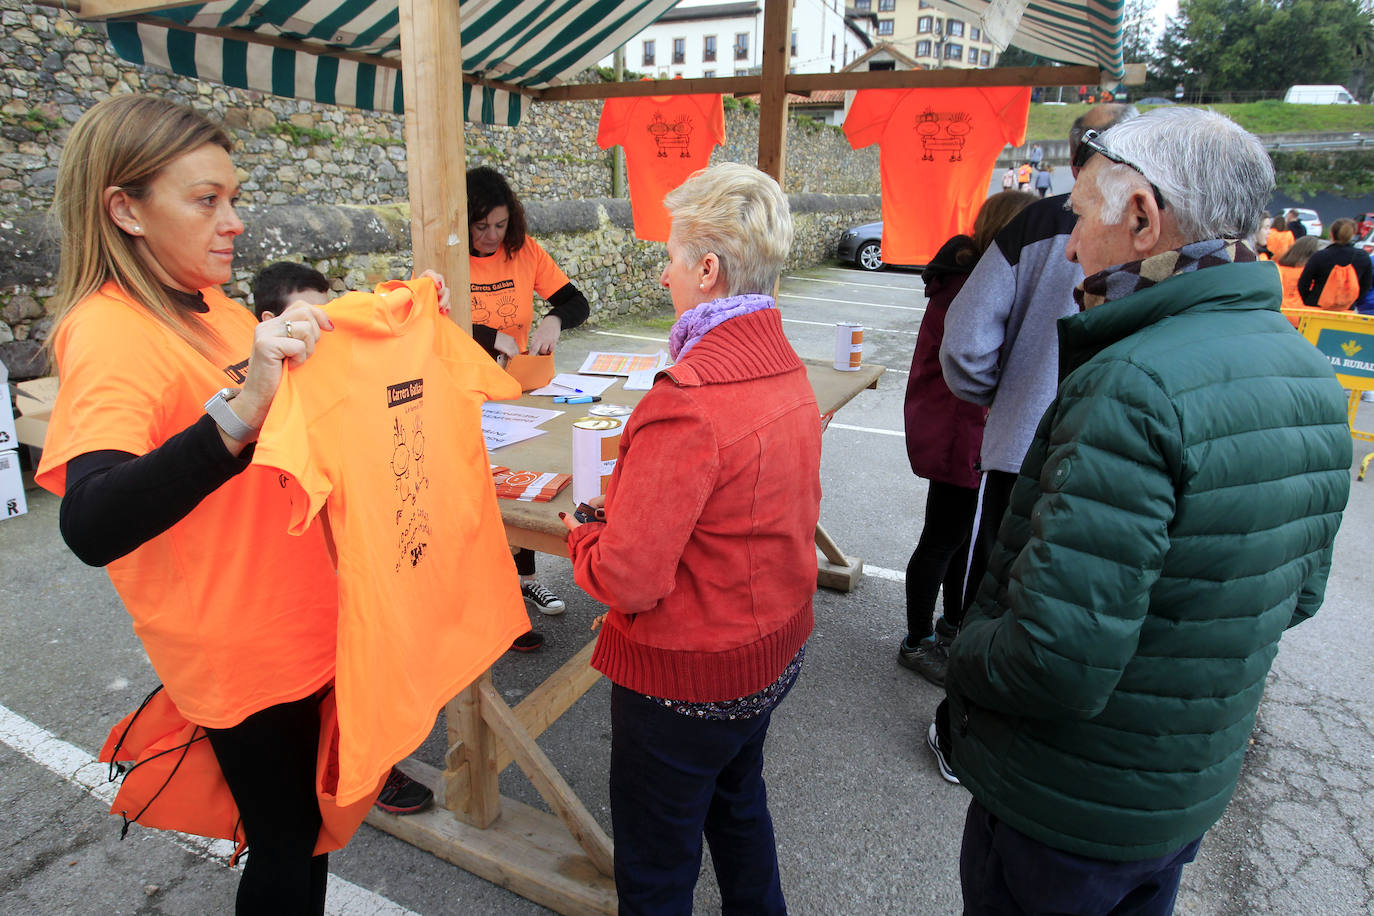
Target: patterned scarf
[[1120, 281], [693, 324]]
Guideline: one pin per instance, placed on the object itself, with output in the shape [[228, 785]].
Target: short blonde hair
[[739, 214]]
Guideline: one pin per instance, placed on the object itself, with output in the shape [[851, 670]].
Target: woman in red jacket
[[707, 559], [943, 438]]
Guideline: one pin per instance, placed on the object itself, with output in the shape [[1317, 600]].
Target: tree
[[1218, 45]]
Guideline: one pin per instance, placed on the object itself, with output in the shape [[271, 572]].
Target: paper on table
[[608, 363], [641, 380], [505, 424], [564, 382]]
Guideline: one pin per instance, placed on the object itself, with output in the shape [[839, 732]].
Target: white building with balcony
[[698, 38]]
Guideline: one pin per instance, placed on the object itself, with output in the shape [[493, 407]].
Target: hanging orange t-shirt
[[503, 288], [938, 148], [383, 424], [234, 614], [666, 139]]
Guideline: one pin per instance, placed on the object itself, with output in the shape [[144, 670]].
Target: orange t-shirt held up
[[938, 148], [235, 615], [383, 425], [666, 139]]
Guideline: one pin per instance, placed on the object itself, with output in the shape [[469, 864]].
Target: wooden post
[[777, 44], [432, 79], [471, 761]]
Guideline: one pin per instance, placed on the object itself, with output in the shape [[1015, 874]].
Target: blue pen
[[567, 387]]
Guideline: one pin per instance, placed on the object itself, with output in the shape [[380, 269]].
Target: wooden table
[[564, 860]]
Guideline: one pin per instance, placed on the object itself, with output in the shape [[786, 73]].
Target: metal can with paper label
[[849, 346], [595, 445]]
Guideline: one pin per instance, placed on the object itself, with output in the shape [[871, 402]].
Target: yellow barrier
[[1347, 339]]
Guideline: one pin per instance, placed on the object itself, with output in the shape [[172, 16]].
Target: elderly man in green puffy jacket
[[1174, 515]]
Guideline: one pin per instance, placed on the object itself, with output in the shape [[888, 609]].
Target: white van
[[1319, 95]]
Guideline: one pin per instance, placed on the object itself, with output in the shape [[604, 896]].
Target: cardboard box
[[8, 437], [12, 500], [35, 398]]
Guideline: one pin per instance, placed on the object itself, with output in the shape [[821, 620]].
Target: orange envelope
[[531, 370]]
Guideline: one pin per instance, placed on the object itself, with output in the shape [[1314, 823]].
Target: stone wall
[[52, 68], [358, 247]]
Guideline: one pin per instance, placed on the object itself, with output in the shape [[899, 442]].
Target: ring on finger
[[288, 329]]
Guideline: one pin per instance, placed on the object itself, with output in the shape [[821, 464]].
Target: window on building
[[741, 72], [679, 50], [648, 52], [974, 33], [832, 47], [882, 65], [886, 6], [709, 74], [741, 46], [794, 42], [926, 6], [924, 24], [708, 48], [954, 52], [863, 6], [987, 58], [884, 26], [923, 48], [954, 28]]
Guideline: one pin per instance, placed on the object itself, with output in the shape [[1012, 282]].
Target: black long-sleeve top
[[1313, 278]]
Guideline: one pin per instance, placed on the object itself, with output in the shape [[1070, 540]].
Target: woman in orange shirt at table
[[507, 267], [237, 617]]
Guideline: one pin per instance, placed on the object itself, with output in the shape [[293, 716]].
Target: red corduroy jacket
[[707, 558]]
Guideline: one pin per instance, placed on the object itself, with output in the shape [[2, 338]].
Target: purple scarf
[[693, 324]]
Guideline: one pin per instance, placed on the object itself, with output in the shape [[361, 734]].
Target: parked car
[[1155, 100], [1310, 221], [1364, 225], [1319, 95], [862, 246]]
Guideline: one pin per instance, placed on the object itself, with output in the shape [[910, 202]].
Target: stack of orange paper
[[530, 486]]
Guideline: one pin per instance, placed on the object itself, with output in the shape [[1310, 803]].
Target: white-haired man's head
[[1167, 178]]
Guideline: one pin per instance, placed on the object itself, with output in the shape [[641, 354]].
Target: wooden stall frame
[[562, 861]]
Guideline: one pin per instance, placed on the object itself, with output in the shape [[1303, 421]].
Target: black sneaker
[[528, 642], [933, 742], [544, 601], [403, 795], [927, 658]]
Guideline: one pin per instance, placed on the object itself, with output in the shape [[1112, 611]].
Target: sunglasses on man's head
[[1088, 144]]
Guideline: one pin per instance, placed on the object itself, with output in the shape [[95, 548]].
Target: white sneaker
[[544, 601]]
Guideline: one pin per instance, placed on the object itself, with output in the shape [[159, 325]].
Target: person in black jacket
[[1340, 251]]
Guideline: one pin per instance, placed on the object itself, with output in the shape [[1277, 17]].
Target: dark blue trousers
[[1003, 871], [674, 778]]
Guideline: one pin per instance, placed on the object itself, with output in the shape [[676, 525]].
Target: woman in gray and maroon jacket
[[943, 438], [707, 559]]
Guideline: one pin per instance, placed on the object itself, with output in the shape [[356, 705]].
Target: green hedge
[[1345, 173]]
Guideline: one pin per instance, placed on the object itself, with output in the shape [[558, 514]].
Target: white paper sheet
[[505, 424], [566, 383], [642, 380]]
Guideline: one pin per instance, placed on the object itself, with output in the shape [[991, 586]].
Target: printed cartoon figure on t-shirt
[[943, 131], [494, 305], [676, 136], [408, 468]]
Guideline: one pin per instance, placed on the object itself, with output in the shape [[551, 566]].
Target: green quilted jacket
[[1174, 515]]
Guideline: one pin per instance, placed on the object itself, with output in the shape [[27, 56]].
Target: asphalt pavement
[[865, 824]]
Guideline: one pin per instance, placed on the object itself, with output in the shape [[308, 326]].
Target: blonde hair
[[1298, 253], [995, 213], [122, 142], [1343, 231], [739, 214]]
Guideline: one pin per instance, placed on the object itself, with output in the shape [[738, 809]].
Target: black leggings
[[939, 559], [268, 761], [996, 497], [524, 561]]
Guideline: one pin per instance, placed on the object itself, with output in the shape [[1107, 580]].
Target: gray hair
[[1215, 175], [741, 215]]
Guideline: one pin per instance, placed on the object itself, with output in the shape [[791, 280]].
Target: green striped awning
[[348, 52], [1068, 31]]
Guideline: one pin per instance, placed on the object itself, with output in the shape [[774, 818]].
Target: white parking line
[[875, 305], [631, 336], [866, 429], [831, 324], [852, 282], [879, 572], [82, 770]]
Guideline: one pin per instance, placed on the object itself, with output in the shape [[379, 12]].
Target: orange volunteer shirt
[[383, 424], [503, 288], [1288, 276], [938, 148], [666, 139], [235, 614]]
